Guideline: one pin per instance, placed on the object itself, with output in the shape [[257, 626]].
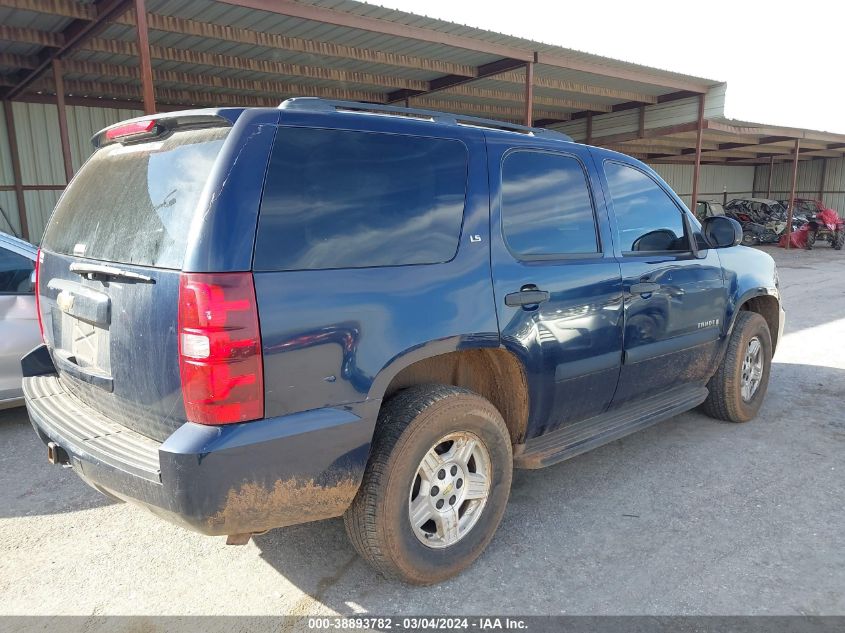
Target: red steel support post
[[771, 172], [16, 167], [792, 192], [697, 168], [822, 181], [62, 113], [529, 93], [146, 66]]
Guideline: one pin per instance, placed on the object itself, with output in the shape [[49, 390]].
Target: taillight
[[38, 259], [220, 357]]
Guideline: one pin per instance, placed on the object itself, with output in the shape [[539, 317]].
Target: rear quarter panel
[[338, 337]]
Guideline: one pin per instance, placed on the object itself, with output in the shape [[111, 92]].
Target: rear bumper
[[230, 479]]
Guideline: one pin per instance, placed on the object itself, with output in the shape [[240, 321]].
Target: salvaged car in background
[[18, 316], [763, 221]]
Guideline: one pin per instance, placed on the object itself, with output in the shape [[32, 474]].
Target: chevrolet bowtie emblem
[[65, 301]]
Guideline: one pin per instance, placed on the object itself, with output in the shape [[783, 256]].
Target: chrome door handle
[[526, 298], [644, 288]]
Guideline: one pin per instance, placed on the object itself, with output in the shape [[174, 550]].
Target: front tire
[[435, 487], [738, 387]]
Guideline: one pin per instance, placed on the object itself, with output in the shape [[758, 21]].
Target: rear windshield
[[134, 204]]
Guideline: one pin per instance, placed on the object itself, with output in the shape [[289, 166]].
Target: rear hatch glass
[[134, 204], [109, 281]]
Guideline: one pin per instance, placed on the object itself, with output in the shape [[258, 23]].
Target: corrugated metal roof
[[224, 14], [206, 52]]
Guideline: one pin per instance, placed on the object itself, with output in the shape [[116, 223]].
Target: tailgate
[[109, 275], [114, 341]]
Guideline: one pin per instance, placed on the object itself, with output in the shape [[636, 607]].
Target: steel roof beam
[[17, 178], [505, 95], [548, 122], [132, 92], [70, 38], [780, 133], [625, 74], [578, 88], [31, 36], [516, 113], [668, 143], [124, 103], [64, 8], [18, 61], [612, 139], [273, 92], [270, 67], [637, 102], [451, 81], [723, 147]]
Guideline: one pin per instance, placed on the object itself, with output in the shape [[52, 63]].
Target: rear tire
[[738, 387], [839, 240], [424, 432]]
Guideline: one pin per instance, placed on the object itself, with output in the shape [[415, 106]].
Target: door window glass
[[648, 219], [546, 205]]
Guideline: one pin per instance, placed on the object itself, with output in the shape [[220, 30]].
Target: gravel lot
[[690, 516]]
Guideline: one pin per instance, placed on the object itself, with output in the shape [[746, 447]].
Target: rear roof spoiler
[[138, 129]]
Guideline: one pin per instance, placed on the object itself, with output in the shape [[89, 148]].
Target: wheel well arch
[[495, 374], [768, 307]]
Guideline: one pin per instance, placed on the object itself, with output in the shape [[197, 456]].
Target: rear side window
[[546, 205], [134, 204], [648, 219], [341, 199], [15, 273]]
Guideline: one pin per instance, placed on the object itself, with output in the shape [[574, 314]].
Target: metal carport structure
[[142, 56]]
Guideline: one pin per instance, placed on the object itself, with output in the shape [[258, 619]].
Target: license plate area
[[80, 321], [83, 343]]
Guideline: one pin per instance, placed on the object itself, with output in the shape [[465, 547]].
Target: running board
[[580, 437]]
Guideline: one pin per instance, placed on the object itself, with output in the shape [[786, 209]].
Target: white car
[[19, 331]]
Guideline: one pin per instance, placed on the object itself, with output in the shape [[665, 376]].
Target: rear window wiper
[[93, 271]]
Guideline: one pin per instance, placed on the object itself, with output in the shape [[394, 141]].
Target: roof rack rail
[[316, 104]]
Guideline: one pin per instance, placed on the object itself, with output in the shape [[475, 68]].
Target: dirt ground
[[690, 516]]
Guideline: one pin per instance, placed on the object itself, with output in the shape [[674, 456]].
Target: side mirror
[[721, 231], [32, 281]]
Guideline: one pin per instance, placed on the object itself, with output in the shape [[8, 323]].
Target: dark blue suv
[[259, 317]]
